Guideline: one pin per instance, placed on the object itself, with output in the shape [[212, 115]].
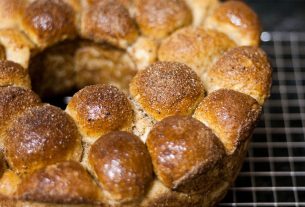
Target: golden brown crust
[[41, 136], [109, 21], [167, 88], [195, 47], [237, 20], [158, 18], [66, 183], [245, 69], [49, 21], [231, 115], [99, 109], [194, 181], [13, 102], [122, 164], [185, 154], [13, 74]]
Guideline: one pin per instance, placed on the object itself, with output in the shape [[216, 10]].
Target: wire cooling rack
[[274, 171]]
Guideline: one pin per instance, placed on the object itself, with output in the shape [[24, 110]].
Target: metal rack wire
[[274, 171]]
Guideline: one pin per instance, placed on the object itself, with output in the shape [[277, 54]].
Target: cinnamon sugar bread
[[169, 95]]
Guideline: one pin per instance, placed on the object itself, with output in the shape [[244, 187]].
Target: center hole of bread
[[59, 71]]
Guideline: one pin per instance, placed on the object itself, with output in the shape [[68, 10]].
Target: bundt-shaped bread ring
[[169, 93]]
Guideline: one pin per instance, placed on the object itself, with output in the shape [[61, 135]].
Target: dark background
[[280, 15]]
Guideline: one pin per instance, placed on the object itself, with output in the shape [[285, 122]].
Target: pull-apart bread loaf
[[165, 98]]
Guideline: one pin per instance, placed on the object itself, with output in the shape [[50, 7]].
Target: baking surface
[[274, 171]]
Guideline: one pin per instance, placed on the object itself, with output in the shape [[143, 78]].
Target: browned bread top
[[167, 88], [237, 20], [41, 136], [109, 20], [196, 47], [245, 69], [47, 22], [13, 102], [158, 18], [182, 150], [65, 182], [231, 115], [99, 109], [12, 73], [122, 165]]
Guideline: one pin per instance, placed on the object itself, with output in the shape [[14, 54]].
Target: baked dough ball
[[13, 102], [196, 47], [99, 109], [245, 69], [158, 18], [65, 183], [122, 165], [185, 153], [49, 21], [41, 136], [109, 21], [167, 88], [13, 74], [237, 20], [231, 115]]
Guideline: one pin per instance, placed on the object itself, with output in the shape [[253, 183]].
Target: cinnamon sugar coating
[[41, 136], [99, 109], [167, 88]]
